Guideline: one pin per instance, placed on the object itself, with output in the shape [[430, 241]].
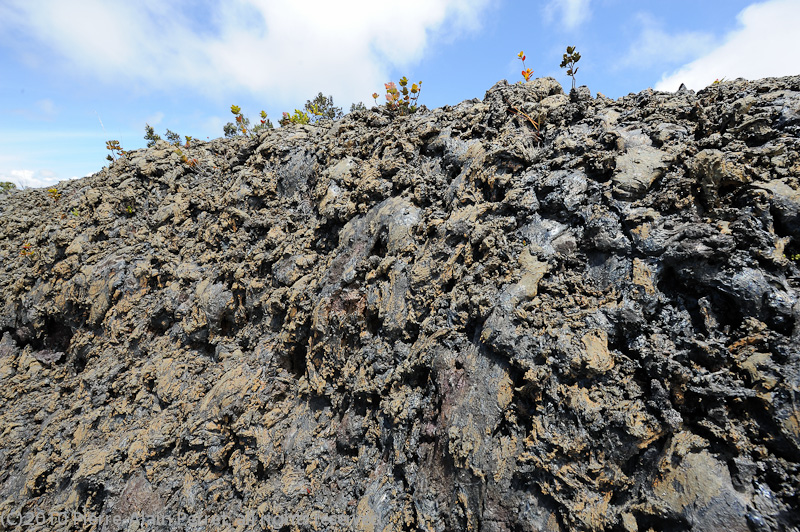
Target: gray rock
[[441, 321]]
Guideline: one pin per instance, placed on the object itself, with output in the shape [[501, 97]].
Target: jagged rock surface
[[433, 322]]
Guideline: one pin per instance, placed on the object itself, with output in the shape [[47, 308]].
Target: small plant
[[718, 81], [54, 194], [322, 108], [403, 101], [6, 186], [185, 160], [27, 250], [794, 257], [241, 126], [299, 117], [173, 138], [314, 111], [75, 212], [535, 123], [129, 209], [527, 73], [265, 123], [241, 121], [568, 62], [115, 149], [151, 137], [359, 106]]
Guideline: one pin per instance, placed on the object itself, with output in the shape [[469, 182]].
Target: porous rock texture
[[439, 321]]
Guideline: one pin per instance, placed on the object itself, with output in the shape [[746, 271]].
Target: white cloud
[[17, 176], [269, 47], [29, 178], [655, 46], [573, 13], [766, 44]]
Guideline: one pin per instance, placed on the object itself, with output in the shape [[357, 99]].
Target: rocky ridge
[[432, 322]]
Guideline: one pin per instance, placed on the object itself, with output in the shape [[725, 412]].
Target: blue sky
[[75, 73]]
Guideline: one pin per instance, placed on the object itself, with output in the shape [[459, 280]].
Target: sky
[[76, 73]]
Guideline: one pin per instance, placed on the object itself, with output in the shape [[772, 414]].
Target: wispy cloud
[[764, 45], [267, 47], [657, 47], [154, 119], [572, 13], [46, 108], [41, 110]]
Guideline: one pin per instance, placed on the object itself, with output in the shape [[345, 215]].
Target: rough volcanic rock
[[434, 322]]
